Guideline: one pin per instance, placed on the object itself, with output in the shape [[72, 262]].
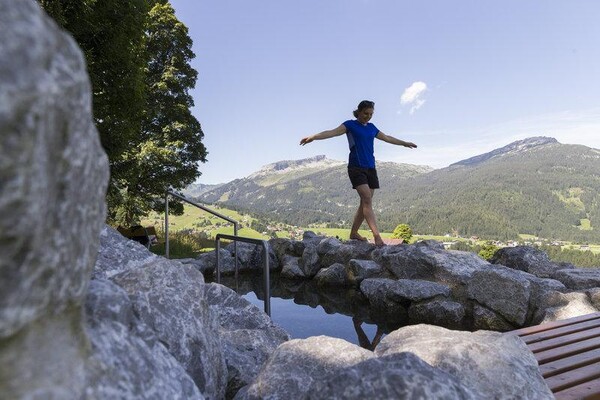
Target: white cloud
[[413, 96]]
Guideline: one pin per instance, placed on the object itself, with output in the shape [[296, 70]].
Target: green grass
[[585, 224], [526, 236], [204, 227]]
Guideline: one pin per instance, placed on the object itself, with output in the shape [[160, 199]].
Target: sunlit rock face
[[53, 177], [490, 364]]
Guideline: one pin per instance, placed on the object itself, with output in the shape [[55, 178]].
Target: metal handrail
[[208, 210], [265, 245]]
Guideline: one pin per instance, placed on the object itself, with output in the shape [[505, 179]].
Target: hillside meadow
[[193, 232]]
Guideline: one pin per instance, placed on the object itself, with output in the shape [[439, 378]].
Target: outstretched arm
[[393, 140], [340, 130]]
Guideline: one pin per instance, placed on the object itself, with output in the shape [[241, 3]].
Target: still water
[[304, 309]]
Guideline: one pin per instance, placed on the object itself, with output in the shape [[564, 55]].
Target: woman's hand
[[410, 145], [306, 140]]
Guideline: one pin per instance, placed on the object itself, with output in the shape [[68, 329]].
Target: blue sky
[[458, 78]]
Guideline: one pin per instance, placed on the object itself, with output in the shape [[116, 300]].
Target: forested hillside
[[536, 186], [549, 191]]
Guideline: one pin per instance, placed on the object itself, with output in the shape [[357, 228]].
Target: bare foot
[[358, 237], [378, 241]]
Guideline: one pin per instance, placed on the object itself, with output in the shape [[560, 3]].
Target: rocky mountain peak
[[515, 147], [319, 161]]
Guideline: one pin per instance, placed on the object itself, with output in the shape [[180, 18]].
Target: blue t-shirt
[[360, 139]]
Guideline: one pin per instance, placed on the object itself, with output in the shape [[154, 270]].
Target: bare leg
[[366, 206], [358, 220]]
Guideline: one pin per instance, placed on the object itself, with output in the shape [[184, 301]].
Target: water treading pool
[[305, 309]]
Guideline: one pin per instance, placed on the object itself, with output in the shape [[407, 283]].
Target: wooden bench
[[568, 354], [144, 235]]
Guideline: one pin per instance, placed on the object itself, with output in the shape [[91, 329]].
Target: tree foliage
[[487, 251], [138, 56], [402, 231]]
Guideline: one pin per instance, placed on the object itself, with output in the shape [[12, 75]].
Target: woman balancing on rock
[[361, 135]]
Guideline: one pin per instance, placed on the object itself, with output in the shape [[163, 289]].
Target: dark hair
[[362, 105]]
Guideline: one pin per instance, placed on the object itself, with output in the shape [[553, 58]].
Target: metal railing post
[[267, 279], [167, 224]]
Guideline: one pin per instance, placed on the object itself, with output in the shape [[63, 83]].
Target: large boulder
[[527, 259], [580, 278], [378, 292], [248, 336], [556, 306], [129, 361], [442, 312], [353, 249], [334, 275], [53, 175], [427, 261], [492, 365], [395, 376], [358, 270], [117, 254], [290, 267], [310, 262], [171, 298], [502, 290], [295, 365]]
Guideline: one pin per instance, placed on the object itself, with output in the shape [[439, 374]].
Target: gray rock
[[594, 295], [311, 239], [396, 376], [359, 270], [128, 361], [310, 263], [492, 365], [295, 365], [245, 252], [484, 318], [248, 335], [328, 245], [556, 306], [53, 170], [446, 313], [378, 292], [53, 175], [426, 262], [207, 262], [170, 298], [250, 256], [502, 290], [291, 268], [527, 259], [283, 247], [353, 249], [580, 278], [416, 290], [334, 275], [118, 254]]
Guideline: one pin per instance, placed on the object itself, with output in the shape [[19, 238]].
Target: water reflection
[[363, 340], [304, 322]]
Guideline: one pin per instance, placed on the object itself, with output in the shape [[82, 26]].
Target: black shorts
[[361, 176]]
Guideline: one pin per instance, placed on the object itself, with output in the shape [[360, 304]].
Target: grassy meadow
[[193, 232]]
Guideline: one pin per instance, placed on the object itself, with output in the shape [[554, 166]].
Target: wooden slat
[[561, 331], [570, 363], [568, 350], [585, 391], [564, 340], [577, 377], [551, 325]]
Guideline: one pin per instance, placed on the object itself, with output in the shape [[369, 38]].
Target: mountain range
[[533, 186]]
